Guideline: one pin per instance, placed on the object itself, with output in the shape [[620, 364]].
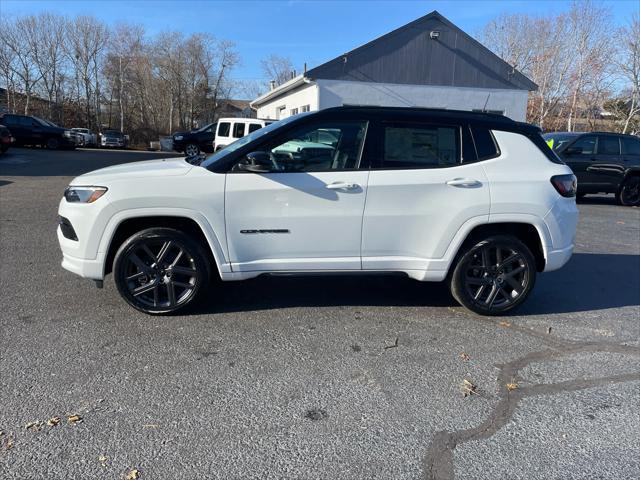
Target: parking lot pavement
[[335, 377]]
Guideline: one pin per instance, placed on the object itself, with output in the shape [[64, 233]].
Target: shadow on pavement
[[587, 282]]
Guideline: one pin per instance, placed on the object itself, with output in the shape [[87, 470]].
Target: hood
[[150, 168]]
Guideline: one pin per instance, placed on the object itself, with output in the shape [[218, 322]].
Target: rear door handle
[[342, 186], [464, 183]]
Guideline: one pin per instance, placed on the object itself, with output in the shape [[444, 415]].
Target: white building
[[427, 63]]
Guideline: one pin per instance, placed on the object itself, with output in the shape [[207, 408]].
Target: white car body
[[228, 130], [412, 221], [89, 138]]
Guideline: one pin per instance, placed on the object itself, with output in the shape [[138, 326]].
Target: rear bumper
[[557, 258]]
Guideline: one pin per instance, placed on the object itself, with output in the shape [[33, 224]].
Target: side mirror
[[573, 151], [257, 162]]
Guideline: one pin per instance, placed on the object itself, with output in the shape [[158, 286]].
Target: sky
[[306, 31]]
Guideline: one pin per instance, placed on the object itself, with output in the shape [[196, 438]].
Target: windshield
[[241, 142], [203, 129], [557, 140]]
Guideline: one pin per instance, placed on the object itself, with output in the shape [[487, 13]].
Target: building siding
[[297, 98]]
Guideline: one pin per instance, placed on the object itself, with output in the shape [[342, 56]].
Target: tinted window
[[420, 146], [254, 126], [223, 129], [27, 122], [9, 120], [587, 145], [238, 130], [485, 144], [630, 146], [317, 147], [608, 145]]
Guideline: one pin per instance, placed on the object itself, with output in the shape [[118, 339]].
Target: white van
[[231, 129]]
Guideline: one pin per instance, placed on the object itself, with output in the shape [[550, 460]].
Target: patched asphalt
[[323, 377]]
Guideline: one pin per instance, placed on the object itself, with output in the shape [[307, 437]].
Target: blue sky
[[306, 31]]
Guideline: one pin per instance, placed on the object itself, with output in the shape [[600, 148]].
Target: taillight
[[566, 185]]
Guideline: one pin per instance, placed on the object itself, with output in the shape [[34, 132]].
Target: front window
[[315, 148], [583, 146], [420, 146], [223, 129], [556, 141]]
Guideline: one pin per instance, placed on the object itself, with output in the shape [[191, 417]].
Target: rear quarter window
[[486, 146]]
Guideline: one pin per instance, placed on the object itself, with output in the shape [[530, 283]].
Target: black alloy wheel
[[191, 150], [629, 193], [160, 270], [494, 275]]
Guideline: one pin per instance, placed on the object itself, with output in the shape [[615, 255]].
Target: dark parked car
[[602, 162], [5, 139], [28, 130], [113, 138], [195, 141]]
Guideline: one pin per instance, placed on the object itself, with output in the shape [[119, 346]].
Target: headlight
[[178, 137], [83, 194], [66, 133]]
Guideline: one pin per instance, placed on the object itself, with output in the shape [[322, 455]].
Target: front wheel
[[191, 150], [629, 192], [494, 275], [161, 270], [53, 144]]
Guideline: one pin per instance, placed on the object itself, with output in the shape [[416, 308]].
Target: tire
[[580, 195], [629, 193], [161, 270], [493, 276], [53, 144], [191, 150]]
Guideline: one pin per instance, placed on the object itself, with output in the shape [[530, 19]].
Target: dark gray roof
[[408, 55]]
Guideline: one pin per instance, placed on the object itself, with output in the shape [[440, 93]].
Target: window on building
[[305, 108], [293, 111], [420, 146], [238, 130], [223, 129]]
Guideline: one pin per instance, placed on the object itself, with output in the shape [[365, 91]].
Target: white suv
[[231, 129], [475, 199]]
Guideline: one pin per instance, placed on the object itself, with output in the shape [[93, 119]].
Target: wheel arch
[[526, 232], [125, 226]]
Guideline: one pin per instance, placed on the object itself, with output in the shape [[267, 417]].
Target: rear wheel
[[493, 276], [161, 270], [629, 192], [53, 144], [191, 150]]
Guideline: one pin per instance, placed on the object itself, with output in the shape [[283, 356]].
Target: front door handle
[[342, 186], [464, 183]]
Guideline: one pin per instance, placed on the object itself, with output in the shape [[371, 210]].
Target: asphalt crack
[[439, 458]]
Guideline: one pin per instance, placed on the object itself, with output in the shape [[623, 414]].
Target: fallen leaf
[[73, 419], [35, 426], [620, 222], [469, 388], [505, 324], [53, 421], [464, 356], [132, 475], [512, 385], [8, 444], [103, 460]]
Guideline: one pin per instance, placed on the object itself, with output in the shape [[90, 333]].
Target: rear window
[[238, 130], [224, 129], [485, 143], [420, 146], [630, 146], [608, 145]]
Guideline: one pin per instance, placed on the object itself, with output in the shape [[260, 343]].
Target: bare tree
[[277, 69], [628, 64]]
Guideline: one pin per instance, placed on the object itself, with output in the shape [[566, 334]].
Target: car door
[[304, 211], [607, 169], [420, 193], [580, 156]]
